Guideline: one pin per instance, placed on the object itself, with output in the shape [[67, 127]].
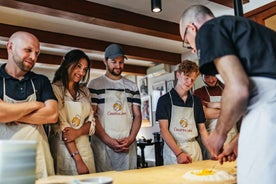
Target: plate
[[94, 180]]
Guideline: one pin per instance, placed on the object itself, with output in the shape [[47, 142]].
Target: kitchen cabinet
[[265, 15]]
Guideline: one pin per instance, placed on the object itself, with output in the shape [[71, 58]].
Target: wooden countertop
[[169, 174]]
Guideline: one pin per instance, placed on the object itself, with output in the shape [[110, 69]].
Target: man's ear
[[193, 26], [105, 61], [9, 45], [178, 74]]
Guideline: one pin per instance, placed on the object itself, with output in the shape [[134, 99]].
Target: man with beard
[[116, 103], [31, 98]]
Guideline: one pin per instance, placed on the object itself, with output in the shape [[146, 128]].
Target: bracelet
[[179, 154], [74, 154]]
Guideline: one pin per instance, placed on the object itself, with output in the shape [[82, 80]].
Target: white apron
[[211, 125], [117, 122], [183, 129], [64, 164], [256, 153], [44, 161]]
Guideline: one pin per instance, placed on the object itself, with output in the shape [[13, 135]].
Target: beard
[[112, 71], [20, 64]]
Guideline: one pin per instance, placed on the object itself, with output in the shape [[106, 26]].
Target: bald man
[[244, 54], [26, 99]]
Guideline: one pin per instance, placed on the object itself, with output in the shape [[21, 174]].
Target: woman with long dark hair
[[70, 139]]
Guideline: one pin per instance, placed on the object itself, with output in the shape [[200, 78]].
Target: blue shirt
[[252, 43], [21, 89], [164, 106]]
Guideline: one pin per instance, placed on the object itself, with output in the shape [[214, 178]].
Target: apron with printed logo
[[117, 121], [183, 129], [256, 154], [44, 161], [76, 113]]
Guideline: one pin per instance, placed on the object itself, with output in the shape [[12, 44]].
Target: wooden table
[[169, 174]]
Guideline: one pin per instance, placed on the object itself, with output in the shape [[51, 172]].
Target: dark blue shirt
[[21, 89], [164, 106], [252, 43]]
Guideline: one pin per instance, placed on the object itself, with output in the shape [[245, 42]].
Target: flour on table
[[208, 175]]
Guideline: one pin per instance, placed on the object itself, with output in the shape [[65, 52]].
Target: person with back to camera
[[116, 103], [210, 95], [70, 140], [244, 54], [181, 117], [30, 93]]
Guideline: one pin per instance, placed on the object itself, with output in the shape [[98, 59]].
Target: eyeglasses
[[184, 43]]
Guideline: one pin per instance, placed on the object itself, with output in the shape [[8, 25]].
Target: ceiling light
[[156, 6]]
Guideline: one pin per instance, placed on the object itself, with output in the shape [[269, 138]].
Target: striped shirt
[[98, 86]]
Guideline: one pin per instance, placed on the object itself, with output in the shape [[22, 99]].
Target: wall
[[147, 131], [265, 15]]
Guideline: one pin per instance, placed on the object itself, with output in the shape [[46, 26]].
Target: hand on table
[[230, 151]]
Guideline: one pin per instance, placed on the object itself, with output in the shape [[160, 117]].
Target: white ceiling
[[171, 11]]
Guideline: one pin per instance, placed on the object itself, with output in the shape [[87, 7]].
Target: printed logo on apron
[[117, 117], [183, 129], [117, 106], [183, 123], [76, 113], [73, 113], [186, 124], [76, 121], [117, 121], [117, 109], [183, 126]]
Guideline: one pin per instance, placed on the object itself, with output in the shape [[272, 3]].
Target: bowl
[[96, 180]]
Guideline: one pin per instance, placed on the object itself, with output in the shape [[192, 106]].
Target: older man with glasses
[[244, 54]]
